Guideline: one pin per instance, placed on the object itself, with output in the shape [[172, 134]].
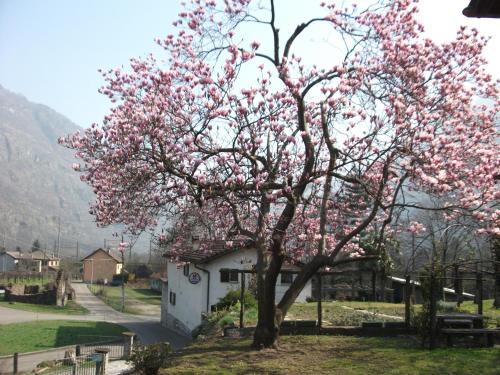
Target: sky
[[50, 50]]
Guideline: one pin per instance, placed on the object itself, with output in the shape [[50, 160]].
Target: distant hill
[[38, 188]]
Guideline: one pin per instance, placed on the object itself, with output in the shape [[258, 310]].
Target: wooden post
[[16, 363], [128, 344], [432, 312], [242, 301], [78, 350], [320, 302], [458, 285], [407, 301], [374, 285], [479, 287], [103, 364]]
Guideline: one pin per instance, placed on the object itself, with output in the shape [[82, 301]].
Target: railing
[[82, 365], [116, 348], [26, 362]]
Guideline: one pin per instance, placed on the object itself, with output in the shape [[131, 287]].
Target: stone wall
[[57, 293]]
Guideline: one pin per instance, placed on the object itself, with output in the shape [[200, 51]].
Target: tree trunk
[[495, 248], [267, 331]]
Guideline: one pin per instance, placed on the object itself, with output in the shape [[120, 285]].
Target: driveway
[[147, 328]]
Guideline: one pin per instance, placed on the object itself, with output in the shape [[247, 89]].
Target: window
[[172, 298], [185, 270], [229, 276], [286, 278]]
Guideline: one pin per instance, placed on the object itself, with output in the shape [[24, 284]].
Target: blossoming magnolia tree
[[264, 142]]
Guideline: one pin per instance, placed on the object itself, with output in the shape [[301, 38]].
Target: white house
[[191, 290]]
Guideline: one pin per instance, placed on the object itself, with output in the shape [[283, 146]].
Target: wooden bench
[[457, 323], [489, 333]]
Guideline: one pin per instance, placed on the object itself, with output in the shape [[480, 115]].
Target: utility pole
[[123, 279], [150, 240], [77, 252], [58, 235]]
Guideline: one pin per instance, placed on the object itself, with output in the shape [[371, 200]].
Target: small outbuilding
[[101, 265]]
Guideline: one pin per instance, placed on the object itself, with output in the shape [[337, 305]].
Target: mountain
[[40, 194]]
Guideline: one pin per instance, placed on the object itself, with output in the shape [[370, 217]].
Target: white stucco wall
[[6, 263], [191, 299]]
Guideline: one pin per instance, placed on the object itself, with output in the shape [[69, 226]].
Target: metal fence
[[116, 349], [87, 364], [62, 360]]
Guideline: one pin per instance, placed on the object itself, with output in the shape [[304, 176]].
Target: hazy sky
[[50, 50]]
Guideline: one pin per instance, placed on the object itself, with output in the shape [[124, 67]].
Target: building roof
[[35, 255], [210, 251], [446, 290], [218, 249], [107, 252]]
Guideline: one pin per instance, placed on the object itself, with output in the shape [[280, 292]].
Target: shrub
[[233, 297], [209, 325], [148, 359], [226, 321], [446, 307]]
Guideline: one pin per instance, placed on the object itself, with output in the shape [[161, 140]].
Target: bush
[[446, 307], [209, 325], [148, 359], [233, 297]]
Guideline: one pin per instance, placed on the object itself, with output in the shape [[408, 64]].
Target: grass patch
[[144, 295], [489, 311], [335, 314], [331, 355], [71, 308], [40, 335], [112, 296]]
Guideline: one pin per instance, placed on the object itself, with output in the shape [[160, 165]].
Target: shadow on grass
[[148, 293], [87, 332]]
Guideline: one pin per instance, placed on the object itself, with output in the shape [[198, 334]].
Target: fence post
[[128, 344], [320, 302], [16, 363], [374, 285], [78, 350], [242, 301], [407, 301], [432, 312], [103, 364], [459, 290], [479, 287]]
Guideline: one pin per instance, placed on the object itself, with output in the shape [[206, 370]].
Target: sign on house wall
[[194, 278]]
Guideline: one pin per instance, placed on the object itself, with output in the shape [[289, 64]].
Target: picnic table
[[459, 320], [465, 325]]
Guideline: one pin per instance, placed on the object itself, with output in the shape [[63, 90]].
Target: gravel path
[[367, 312]]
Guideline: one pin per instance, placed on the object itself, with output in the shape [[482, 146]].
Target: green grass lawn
[[40, 335], [71, 308], [112, 295], [144, 295], [335, 314], [489, 311], [332, 355]]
